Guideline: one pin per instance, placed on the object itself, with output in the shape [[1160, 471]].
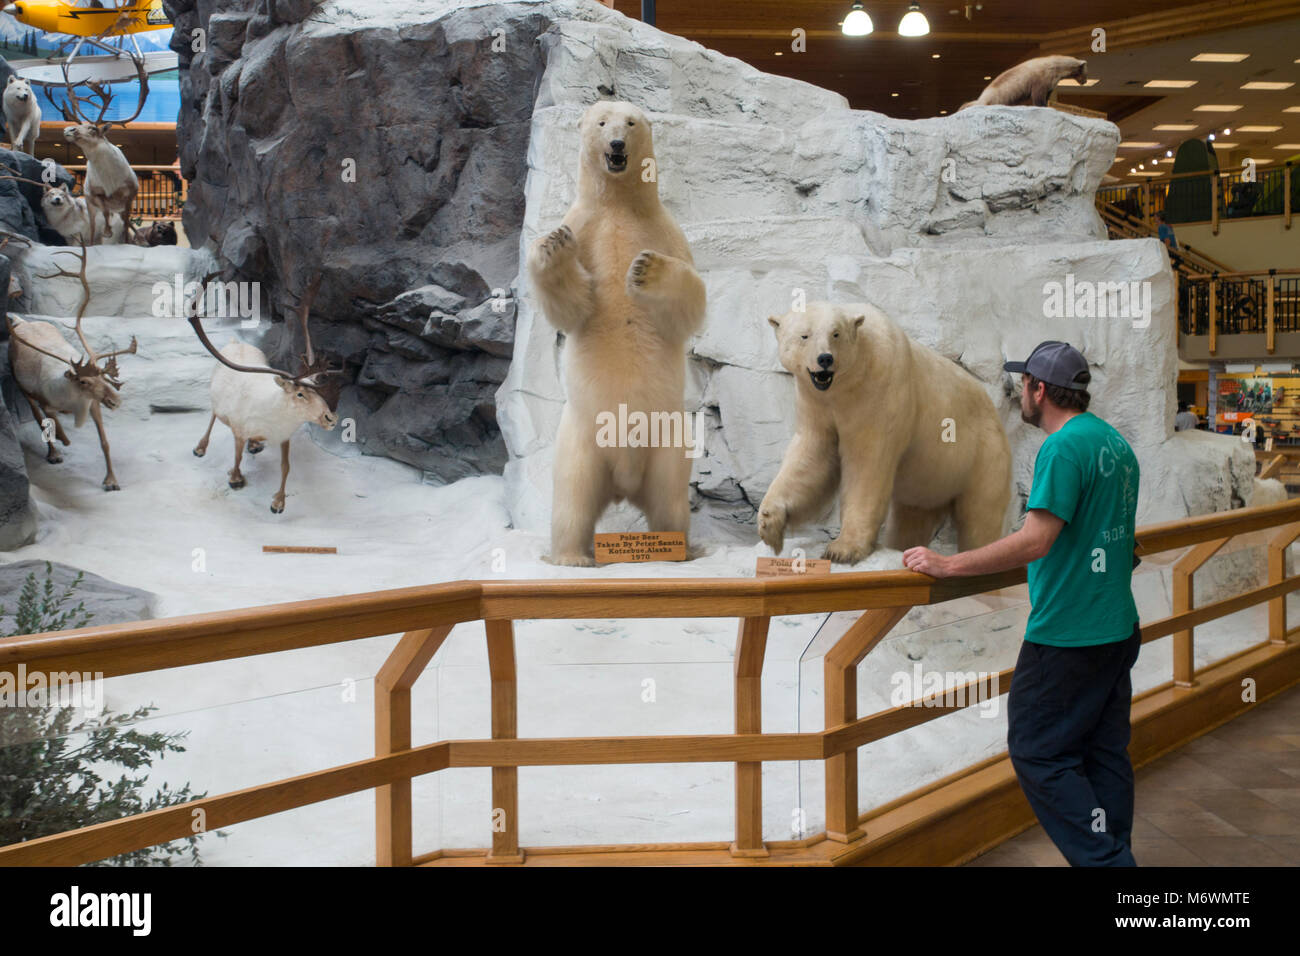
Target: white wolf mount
[[22, 114], [259, 410]]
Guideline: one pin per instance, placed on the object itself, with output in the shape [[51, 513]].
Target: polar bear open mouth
[[616, 162], [821, 379]]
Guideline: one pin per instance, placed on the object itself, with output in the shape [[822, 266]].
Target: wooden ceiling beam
[[1187, 21]]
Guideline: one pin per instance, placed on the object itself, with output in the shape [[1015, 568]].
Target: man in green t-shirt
[[1070, 698]]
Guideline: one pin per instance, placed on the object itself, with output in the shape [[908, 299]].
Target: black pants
[[1068, 733]]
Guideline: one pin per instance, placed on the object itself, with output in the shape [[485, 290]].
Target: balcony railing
[[1240, 303], [162, 191], [1208, 197]]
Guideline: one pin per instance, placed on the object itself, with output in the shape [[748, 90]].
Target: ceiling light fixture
[[858, 22], [1219, 57], [914, 23]]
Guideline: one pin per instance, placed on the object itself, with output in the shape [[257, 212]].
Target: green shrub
[[48, 782]]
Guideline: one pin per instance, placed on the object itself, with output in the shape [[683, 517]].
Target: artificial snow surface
[[265, 718]]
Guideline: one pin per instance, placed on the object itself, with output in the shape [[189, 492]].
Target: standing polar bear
[[617, 278], [886, 421]]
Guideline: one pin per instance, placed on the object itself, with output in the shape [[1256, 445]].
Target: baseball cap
[[1056, 363]]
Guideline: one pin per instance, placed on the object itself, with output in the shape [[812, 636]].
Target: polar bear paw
[[842, 552], [556, 245], [648, 274], [771, 525], [571, 560]]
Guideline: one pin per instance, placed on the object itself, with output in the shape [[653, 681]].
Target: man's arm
[[1031, 542]]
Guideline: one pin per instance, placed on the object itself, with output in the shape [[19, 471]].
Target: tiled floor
[[1228, 798]]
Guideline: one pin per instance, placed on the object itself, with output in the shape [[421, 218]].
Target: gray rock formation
[[107, 601], [390, 161], [17, 512], [955, 226]]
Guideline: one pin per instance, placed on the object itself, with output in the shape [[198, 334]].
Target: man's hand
[[925, 561], [1034, 539]]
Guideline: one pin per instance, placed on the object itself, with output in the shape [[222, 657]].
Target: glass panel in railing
[[953, 642], [618, 678]]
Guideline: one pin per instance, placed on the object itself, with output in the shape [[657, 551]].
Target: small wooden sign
[[617, 546], [295, 549], [780, 567]]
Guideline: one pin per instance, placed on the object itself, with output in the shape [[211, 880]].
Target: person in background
[[1165, 232], [1186, 418]]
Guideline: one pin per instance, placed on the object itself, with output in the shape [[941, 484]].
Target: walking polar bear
[[888, 422], [617, 278]]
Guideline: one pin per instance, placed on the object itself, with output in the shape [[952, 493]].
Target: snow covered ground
[[265, 718]]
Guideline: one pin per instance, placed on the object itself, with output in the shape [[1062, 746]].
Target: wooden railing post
[[751, 645], [1277, 551], [1184, 642], [505, 780], [841, 707], [1286, 196], [393, 733], [1268, 310], [1214, 317], [1214, 203]]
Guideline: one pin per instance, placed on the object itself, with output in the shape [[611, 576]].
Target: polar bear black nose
[[616, 145], [826, 360]]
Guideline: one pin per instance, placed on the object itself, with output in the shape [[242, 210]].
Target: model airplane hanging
[[94, 23]]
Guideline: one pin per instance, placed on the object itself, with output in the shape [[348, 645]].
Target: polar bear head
[[615, 138], [821, 344]]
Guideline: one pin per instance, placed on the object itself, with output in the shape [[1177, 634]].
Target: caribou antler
[[92, 358], [314, 368], [304, 307], [89, 364], [105, 96], [192, 316]]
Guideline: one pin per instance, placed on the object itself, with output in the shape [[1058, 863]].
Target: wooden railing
[[427, 615], [1269, 193], [162, 195], [1240, 303]]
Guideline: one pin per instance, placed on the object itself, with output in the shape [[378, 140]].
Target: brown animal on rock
[[1030, 83]]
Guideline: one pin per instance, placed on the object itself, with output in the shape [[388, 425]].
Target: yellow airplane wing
[[83, 19]]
